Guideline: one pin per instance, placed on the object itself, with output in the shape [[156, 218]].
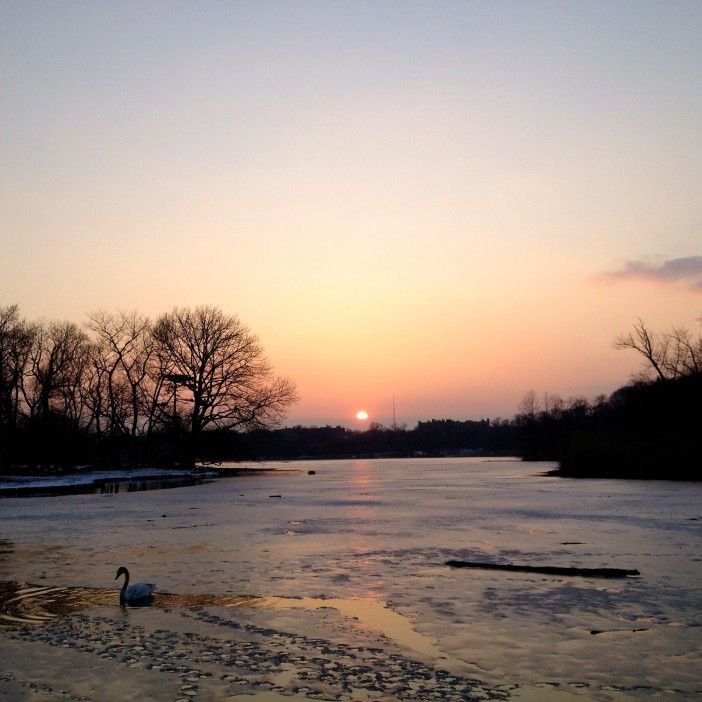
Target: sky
[[448, 202]]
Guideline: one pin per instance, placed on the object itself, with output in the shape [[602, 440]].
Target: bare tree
[[124, 366], [649, 344], [688, 352], [222, 365], [668, 355], [15, 345], [94, 390], [15, 342], [554, 405], [122, 377], [577, 405], [58, 359], [528, 406]]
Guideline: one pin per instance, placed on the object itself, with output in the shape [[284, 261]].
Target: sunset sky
[[451, 202]]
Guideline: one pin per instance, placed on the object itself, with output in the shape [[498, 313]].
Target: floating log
[[547, 570], [596, 632]]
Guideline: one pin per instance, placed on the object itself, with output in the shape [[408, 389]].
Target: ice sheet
[[380, 531]]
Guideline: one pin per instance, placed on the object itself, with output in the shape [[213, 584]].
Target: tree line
[[436, 437], [122, 389], [649, 428], [125, 389]]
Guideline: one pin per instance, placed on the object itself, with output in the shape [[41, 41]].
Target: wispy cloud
[[687, 270]]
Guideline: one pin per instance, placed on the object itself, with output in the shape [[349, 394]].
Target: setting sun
[[362, 415]]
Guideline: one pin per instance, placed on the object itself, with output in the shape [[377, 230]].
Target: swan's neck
[[123, 591]]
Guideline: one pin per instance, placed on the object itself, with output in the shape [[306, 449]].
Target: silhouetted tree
[[668, 355], [15, 345], [58, 359], [122, 388], [222, 365], [686, 356], [528, 406], [124, 363]]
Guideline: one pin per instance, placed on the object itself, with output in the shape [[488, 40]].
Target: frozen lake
[[333, 585]]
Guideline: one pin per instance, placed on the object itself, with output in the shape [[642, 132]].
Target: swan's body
[[140, 593]]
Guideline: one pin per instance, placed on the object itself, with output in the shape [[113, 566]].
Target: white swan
[[135, 594]]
